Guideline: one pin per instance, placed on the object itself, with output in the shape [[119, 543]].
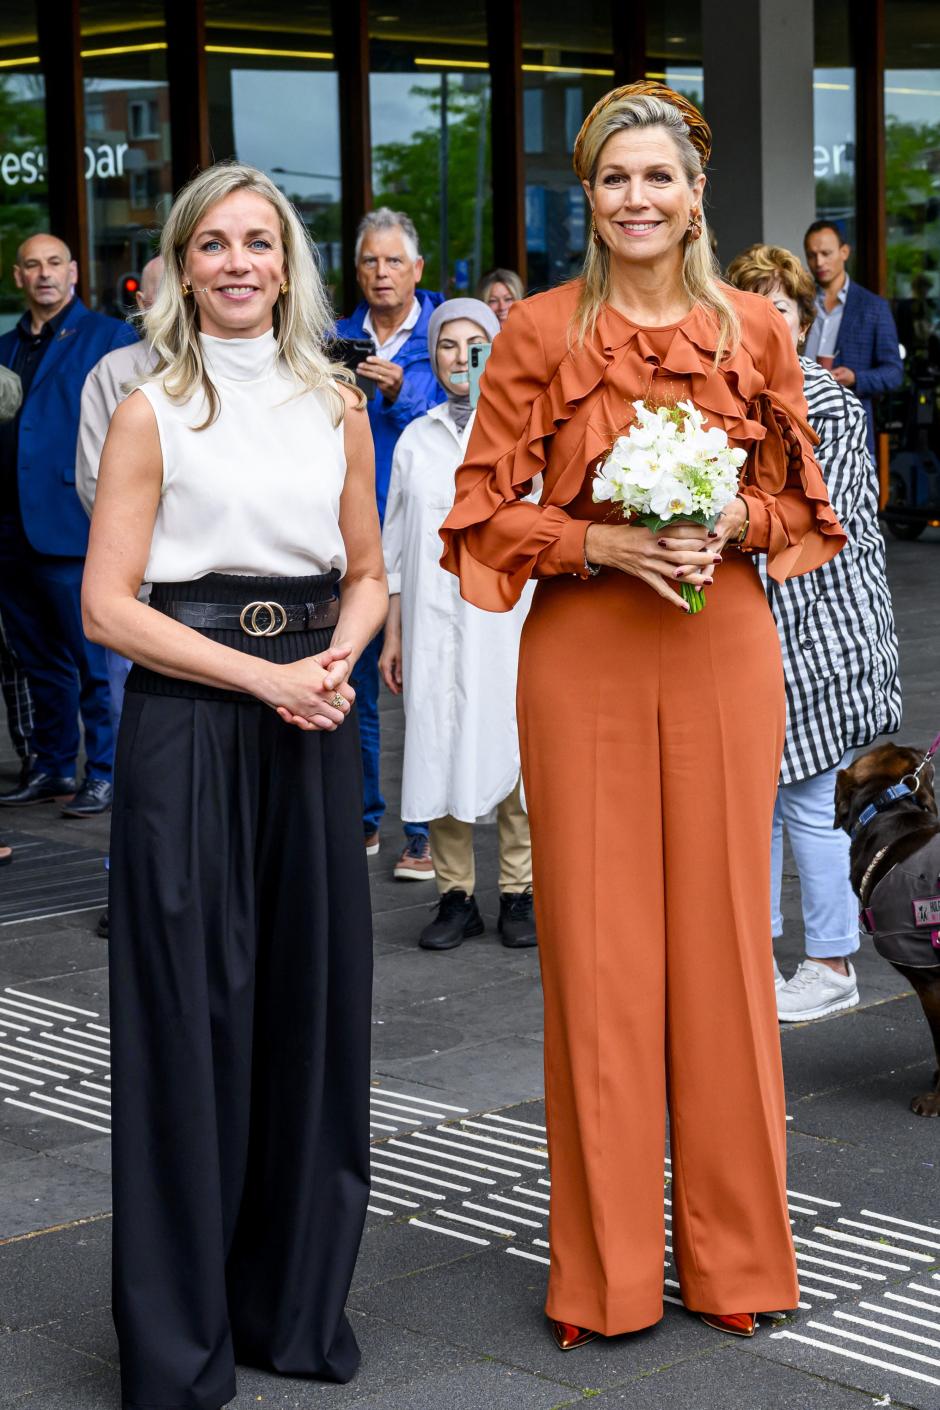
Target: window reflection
[[127, 141], [834, 118], [674, 47], [430, 113], [912, 162], [274, 103], [23, 203]]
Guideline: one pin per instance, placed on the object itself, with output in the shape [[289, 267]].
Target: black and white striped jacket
[[836, 625]]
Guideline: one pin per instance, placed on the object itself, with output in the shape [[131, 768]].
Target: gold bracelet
[[747, 521]]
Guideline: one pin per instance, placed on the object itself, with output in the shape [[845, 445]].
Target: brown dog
[[900, 845]]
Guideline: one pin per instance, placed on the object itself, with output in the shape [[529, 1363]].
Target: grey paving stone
[[474, 1387], [395, 1249], [493, 1074], [92, 1155], [41, 1192], [92, 1333], [43, 1279], [29, 1364], [66, 951], [39, 1132], [727, 1378], [853, 1047], [99, 1390]]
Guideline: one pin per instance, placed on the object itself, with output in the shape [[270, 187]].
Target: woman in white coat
[[455, 663]]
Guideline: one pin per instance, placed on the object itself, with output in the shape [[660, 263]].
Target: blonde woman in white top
[[238, 482]]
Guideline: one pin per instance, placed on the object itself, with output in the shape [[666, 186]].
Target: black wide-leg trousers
[[240, 958]]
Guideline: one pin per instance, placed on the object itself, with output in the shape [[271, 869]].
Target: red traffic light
[[127, 289], [131, 285]]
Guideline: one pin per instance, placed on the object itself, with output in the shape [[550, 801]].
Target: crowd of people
[[267, 529]]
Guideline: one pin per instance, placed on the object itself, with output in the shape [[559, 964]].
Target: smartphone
[[479, 352], [350, 352]]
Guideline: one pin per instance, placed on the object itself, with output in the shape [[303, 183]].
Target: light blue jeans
[[830, 906]]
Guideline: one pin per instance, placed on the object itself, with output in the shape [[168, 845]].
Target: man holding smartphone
[[395, 314]]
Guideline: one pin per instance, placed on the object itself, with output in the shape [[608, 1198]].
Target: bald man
[[44, 530]]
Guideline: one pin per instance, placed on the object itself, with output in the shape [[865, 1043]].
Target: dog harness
[[903, 912]]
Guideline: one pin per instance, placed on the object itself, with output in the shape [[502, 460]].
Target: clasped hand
[[305, 691], [686, 553]]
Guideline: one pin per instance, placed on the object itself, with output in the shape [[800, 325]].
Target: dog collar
[[892, 795]]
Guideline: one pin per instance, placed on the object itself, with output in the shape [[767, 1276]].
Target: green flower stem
[[694, 596]]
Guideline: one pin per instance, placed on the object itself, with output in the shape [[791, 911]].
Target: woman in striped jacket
[[840, 659]]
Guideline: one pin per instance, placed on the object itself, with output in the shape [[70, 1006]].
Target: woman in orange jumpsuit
[[651, 738]]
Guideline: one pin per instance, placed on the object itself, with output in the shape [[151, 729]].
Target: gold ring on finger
[[337, 701]]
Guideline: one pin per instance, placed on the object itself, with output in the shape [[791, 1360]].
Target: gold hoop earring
[[595, 233], [694, 231], [186, 289], [284, 286]]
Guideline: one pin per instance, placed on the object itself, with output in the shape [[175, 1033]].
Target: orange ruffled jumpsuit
[[651, 744]]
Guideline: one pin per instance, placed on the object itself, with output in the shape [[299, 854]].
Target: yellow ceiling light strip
[[268, 53], [123, 49], [450, 64], [19, 63], [564, 68]]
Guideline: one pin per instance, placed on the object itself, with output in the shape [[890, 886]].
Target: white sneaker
[[814, 991], [779, 980]]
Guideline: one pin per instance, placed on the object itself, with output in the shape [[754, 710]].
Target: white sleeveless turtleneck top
[[257, 492]]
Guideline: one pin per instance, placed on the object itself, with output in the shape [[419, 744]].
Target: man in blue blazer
[[395, 314], [44, 529], [854, 333]]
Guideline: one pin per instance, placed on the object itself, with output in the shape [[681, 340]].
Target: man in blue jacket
[[395, 314], [854, 333], [44, 529]]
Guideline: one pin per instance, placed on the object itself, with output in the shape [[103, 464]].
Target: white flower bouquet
[[669, 469]]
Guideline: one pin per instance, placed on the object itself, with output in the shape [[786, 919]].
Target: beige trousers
[[452, 849]]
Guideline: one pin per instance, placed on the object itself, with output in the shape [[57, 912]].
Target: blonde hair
[[762, 269], [302, 314], [701, 275], [509, 277]]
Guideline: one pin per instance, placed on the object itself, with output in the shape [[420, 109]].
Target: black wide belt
[[255, 618]]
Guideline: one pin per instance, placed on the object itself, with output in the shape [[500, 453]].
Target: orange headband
[[700, 134]]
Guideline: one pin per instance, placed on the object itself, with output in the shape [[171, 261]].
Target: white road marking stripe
[[498, 1131], [849, 1253], [533, 1194], [836, 1282], [828, 1263], [676, 1301], [901, 1316], [429, 1166], [799, 1209], [398, 1109], [905, 1223], [95, 1086], [914, 1302], [71, 1106], [476, 1223], [59, 1115], [818, 1292], [815, 1199], [842, 1238], [428, 1179], [99, 1027], [395, 1199], [20, 1027], [452, 1147], [8, 1087], [416, 1101], [92, 1037], [22, 1076], [11, 1006], [381, 1126], [503, 1214], [373, 1209], [451, 1233], [488, 1141], [878, 1345], [83, 1049], [30, 1066], [544, 1182], [50, 1055], [511, 1121], [891, 1331], [103, 1101], [435, 1164], [934, 1292], [856, 1356], [518, 1204], [542, 1243], [892, 1233], [533, 1257], [51, 1003], [412, 1190]]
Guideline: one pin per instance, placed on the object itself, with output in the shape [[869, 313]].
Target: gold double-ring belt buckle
[[252, 620]]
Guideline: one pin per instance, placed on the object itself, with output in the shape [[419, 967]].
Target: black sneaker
[[104, 924], [516, 922], [458, 917], [93, 797]]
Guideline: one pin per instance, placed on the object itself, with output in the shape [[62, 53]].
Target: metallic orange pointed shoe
[[568, 1336], [739, 1324]]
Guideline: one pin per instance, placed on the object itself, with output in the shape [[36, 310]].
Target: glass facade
[[127, 141], [274, 103], [567, 64], [834, 118], [912, 160], [23, 205], [430, 115], [674, 47]]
